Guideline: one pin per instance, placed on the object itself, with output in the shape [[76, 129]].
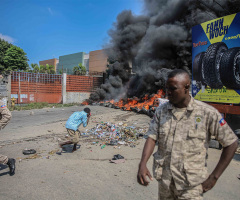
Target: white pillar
[[64, 88], [9, 90]]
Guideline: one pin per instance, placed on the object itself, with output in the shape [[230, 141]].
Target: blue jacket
[[76, 119]]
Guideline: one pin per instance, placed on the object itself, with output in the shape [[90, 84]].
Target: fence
[[71, 72], [34, 87], [83, 84]]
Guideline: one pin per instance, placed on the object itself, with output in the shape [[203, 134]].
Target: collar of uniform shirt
[[189, 107]]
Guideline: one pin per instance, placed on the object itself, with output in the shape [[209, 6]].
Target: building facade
[[68, 62], [86, 61], [97, 61], [53, 62]]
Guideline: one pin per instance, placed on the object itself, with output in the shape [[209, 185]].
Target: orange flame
[[85, 103], [145, 102]]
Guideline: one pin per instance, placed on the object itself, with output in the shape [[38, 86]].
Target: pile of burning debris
[[114, 134], [147, 105]]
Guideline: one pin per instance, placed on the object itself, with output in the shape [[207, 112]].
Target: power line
[[207, 7], [221, 6]]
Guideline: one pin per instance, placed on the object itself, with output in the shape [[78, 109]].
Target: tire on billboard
[[230, 68], [211, 64], [197, 67]]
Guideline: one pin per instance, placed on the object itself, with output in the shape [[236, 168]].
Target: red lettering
[[199, 44]]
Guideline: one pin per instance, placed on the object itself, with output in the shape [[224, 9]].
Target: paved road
[[87, 173], [32, 123]]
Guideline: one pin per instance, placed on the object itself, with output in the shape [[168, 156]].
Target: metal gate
[[34, 87]]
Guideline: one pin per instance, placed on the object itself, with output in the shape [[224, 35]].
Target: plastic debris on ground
[[117, 159], [116, 135], [238, 150]]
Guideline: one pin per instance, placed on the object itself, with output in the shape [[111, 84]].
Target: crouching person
[[72, 125]]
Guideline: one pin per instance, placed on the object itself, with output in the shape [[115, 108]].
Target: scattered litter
[[33, 157], [121, 142], [29, 151], [238, 176], [117, 159], [115, 135], [238, 150], [132, 145], [52, 152]]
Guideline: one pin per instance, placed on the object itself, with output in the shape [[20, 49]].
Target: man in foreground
[[72, 125], [5, 116], [183, 128]]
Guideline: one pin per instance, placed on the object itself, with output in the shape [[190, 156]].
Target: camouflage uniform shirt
[[183, 142], [5, 115]]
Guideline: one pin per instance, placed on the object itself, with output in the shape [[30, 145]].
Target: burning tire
[[211, 64], [197, 66], [230, 68]]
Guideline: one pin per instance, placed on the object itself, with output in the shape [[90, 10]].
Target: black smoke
[[154, 43]]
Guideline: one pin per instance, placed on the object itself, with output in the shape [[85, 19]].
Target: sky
[[47, 29]]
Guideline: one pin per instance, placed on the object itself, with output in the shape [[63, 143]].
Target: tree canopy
[[12, 58], [47, 69], [79, 70]]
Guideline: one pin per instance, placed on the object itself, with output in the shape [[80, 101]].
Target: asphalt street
[[86, 173]]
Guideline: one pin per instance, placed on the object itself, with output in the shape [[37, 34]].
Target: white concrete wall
[[76, 97], [72, 97]]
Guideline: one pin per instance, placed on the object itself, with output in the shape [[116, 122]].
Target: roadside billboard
[[216, 60]]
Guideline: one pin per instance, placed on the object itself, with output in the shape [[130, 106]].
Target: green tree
[[76, 70], [79, 70], [35, 68], [82, 68], [50, 69], [15, 59], [46, 69], [43, 69], [29, 69], [4, 46]]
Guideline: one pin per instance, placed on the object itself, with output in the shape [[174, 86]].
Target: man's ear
[[187, 87]]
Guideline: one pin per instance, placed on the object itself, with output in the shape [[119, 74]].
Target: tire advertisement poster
[[216, 60]]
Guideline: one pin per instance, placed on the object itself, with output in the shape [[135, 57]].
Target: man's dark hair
[[176, 72], [87, 110]]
